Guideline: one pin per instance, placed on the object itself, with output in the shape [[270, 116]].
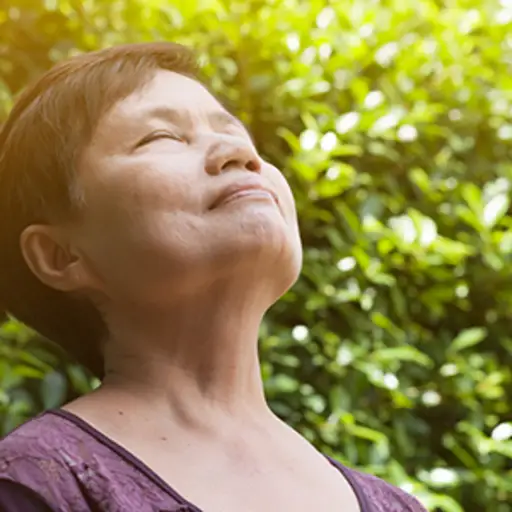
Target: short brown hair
[[45, 132]]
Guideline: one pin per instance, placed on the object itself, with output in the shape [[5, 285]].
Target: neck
[[197, 362]]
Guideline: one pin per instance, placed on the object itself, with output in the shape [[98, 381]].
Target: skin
[[183, 288]]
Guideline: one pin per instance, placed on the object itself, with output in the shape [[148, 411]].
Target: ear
[[49, 255]]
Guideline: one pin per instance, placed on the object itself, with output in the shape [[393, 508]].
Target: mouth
[[253, 191]]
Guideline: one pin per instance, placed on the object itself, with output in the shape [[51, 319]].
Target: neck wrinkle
[[198, 365]]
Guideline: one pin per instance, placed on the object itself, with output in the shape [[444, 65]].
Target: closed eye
[[152, 137]]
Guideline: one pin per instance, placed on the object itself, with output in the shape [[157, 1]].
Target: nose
[[231, 153]]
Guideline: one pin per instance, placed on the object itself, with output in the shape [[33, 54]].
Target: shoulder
[[34, 456], [73, 468], [378, 495]]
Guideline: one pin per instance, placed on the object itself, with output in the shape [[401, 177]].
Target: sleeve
[[15, 497], [35, 477], [386, 497], [376, 494]]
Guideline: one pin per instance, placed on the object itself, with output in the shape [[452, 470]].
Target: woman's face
[[177, 198]]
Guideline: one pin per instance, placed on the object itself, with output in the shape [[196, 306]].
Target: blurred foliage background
[[392, 120]]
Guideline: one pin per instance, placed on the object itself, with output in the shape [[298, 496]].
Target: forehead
[[165, 91]]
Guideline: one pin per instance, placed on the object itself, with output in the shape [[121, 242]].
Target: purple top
[[58, 462]]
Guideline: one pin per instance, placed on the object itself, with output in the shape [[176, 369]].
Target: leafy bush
[[392, 120]]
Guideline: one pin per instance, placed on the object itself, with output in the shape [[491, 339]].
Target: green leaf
[[403, 354], [495, 209], [53, 390], [473, 197], [468, 338]]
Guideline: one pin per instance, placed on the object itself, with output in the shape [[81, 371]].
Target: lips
[[239, 190]]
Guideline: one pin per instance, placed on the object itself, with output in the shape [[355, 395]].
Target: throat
[[193, 362]]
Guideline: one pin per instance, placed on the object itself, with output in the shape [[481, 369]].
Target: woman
[[150, 241]]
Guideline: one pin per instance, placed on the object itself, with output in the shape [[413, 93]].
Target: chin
[[270, 250]]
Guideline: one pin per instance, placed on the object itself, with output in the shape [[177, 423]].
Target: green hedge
[[393, 122]]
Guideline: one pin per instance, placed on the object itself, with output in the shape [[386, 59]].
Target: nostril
[[253, 165]]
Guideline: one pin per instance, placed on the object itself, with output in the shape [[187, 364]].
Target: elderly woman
[[142, 231]]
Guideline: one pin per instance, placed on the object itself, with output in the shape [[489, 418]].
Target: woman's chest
[[215, 487]]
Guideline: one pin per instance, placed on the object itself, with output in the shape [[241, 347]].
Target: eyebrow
[[218, 119]]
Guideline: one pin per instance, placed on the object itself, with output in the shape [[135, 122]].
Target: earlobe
[[47, 253]]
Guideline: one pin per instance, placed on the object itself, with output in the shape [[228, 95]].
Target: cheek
[[128, 199], [290, 212], [139, 232], [136, 229], [152, 188], [155, 179], [285, 193], [139, 259]]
